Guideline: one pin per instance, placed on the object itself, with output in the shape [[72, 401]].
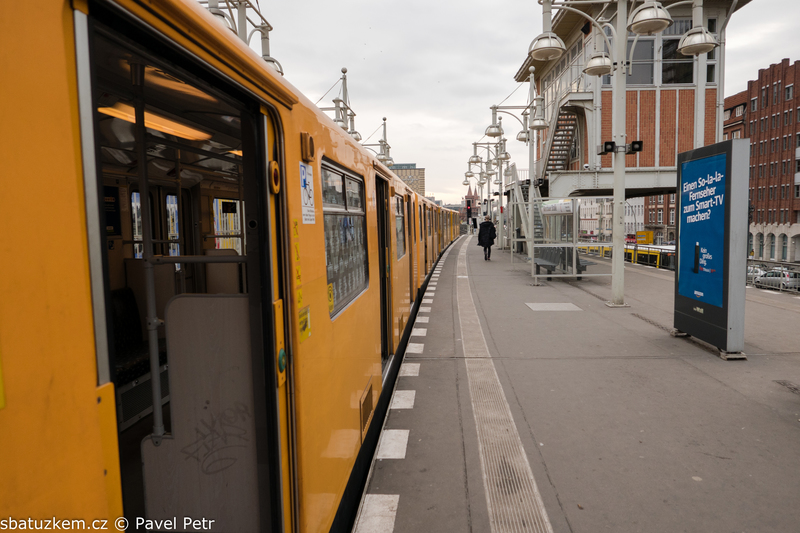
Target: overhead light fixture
[[649, 18], [155, 122], [697, 41], [503, 156], [496, 128], [522, 136], [469, 174], [598, 65], [465, 183], [546, 47]]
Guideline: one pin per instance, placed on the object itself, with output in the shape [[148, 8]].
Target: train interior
[[177, 193]]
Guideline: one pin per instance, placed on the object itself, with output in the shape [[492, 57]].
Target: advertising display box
[[712, 243]]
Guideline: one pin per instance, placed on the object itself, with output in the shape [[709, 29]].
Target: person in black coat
[[486, 236]]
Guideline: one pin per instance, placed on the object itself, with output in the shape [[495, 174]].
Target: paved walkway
[[508, 418]]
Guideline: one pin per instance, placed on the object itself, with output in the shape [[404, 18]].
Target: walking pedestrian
[[486, 236]]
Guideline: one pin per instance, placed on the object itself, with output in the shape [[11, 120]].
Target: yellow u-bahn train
[[208, 242]]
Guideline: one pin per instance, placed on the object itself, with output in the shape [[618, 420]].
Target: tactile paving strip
[[512, 496]]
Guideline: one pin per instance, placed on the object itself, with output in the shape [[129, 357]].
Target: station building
[[768, 113], [673, 104]]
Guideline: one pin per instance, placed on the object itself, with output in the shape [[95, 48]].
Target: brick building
[[768, 113]]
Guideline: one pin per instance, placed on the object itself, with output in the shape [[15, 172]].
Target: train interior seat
[[223, 278]]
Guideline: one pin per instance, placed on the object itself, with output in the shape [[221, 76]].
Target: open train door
[[384, 242]]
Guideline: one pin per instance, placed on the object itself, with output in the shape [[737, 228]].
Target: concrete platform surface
[[593, 419]]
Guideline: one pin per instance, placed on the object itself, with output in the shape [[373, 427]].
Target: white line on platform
[[427, 300], [393, 444], [424, 309], [422, 319], [554, 307], [410, 370], [769, 292], [377, 513], [502, 456], [419, 332], [414, 347], [403, 399]]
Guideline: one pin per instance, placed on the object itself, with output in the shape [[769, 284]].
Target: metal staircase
[[521, 196], [561, 145]]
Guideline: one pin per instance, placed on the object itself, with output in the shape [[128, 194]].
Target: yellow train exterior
[[198, 220]]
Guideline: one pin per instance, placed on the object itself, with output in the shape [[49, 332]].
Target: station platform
[[539, 408]]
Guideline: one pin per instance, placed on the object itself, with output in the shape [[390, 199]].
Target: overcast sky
[[434, 68]]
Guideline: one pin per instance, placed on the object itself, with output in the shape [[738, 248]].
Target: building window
[[676, 67], [764, 101], [774, 121], [772, 146], [797, 191], [660, 199], [784, 247], [785, 142], [727, 115], [761, 193], [785, 118], [789, 92], [345, 235], [737, 134], [672, 198], [754, 104], [776, 88], [660, 216], [739, 110], [671, 217], [651, 216]]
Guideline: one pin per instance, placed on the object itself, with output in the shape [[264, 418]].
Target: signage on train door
[[307, 193]]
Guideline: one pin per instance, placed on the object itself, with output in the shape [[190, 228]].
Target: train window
[[400, 226], [136, 215], [173, 229], [227, 222], [332, 187], [345, 236]]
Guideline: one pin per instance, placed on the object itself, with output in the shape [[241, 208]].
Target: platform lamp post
[[647, 19]]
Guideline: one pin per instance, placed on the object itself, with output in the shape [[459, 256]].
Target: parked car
[[779, 279], [754, 272]]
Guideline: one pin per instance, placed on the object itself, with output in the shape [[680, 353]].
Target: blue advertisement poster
[[702, 229]]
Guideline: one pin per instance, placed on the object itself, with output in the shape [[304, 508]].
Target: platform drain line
[[512, 496]]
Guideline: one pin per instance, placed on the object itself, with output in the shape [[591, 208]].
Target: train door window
[[428, 216], [345, 235], [400, 226]]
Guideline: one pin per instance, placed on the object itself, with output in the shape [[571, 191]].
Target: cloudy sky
[[434, 67]]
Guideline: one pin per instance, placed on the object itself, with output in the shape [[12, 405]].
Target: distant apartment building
[[414, 177], [660, 217], [768, 114]]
